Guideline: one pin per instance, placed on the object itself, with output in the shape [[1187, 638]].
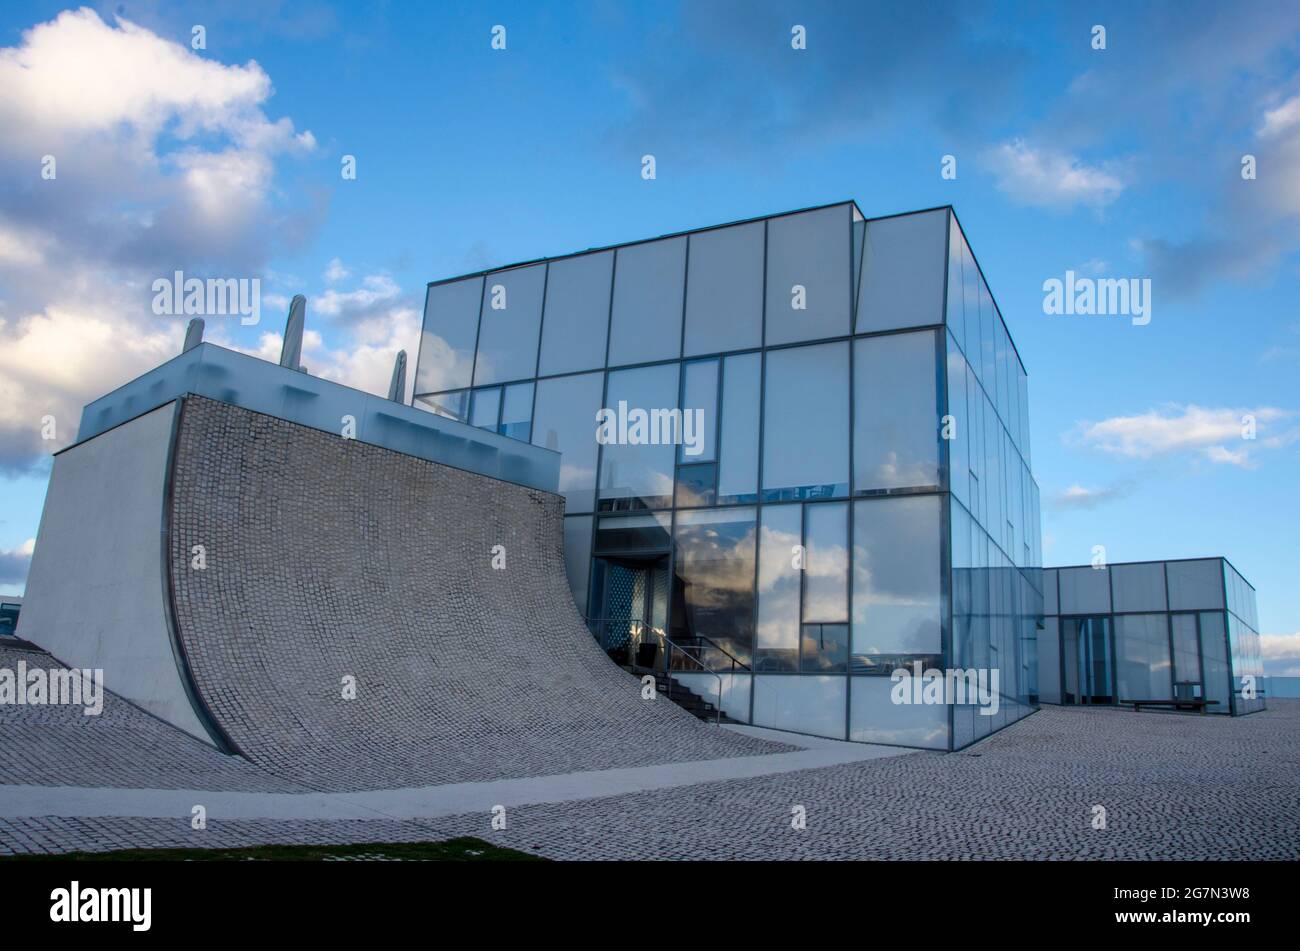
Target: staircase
[[684, 697]]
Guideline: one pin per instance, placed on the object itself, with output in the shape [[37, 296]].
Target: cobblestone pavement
[[1173, 786]]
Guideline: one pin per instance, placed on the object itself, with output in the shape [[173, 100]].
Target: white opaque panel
[[803, 704], [724, 290], [1085, 590], [1196, 585], [1138, 587], [1049, 661], [808, 275], [577, 313], [649, 293], [874, 717], [903, 272]]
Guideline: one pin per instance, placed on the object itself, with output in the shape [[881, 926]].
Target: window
[[738, 449], [512, 312], [777, 639], [577, 313], [566, 422], [713, 586], [485, 408], [806, 416], [447, 341], [1142, 649], [451, 405], [897, 592], [724, 290], [636, 468], [808, 275], [895, 413], [649, 282]]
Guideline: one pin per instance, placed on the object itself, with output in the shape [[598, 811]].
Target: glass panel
[[512, 313], [485, 408], [897, 592], [700, 398], [577, 313], [1214, 662], [695, 485], [777, 643], [738, 451], [648, 293], [647, 531], [1049, 592], [808, 275], [713, 587], [956, 305], [517, 412], [806, 417], [636, 468], [577, 557], [813, 705], [1085, 590], [1138, 587], [826, 563], [1142, 648], [895, 413], [988, 337], [825, 648], [447, 341], [1187, 656], [902, 277], [566, 422], [959, 443], [452, 405], [875, 718], [1196, 584], [724, 290]]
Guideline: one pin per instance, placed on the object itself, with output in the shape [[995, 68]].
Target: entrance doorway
[[631, 600], [1087, 660]]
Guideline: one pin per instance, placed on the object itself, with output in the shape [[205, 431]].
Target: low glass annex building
[[1155, 630], [813, 467]]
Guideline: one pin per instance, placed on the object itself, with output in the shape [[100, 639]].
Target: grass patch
[[453, 850]]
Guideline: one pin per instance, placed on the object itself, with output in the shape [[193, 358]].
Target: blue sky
[[1122, 162]]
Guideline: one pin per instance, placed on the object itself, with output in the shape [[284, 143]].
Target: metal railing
[[641, 646]]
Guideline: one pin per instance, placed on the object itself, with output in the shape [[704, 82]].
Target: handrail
[[638, 629], [735, 661]]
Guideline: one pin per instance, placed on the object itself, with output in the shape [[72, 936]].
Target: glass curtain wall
[[796, 425]]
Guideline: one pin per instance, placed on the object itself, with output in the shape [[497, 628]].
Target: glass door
[[1088, 661]]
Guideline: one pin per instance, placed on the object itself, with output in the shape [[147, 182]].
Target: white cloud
[[375, 289], [165, 160], [1080, 497], [1213, 434], [335, 271], [1049, 179], [1281, 654]]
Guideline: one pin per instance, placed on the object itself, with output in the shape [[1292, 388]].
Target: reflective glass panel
[[447, 341], [738, 451], [777, 642], [649, 289], [826, 563], [565, 421], [577, 557], [1214, 662], [895, 412], [636, 468], [1142, 649], [517, 412], [897, 592], [485, 408], [805, 453], [875, 718], [577, 313], [713, 588], [1187, 656], [700, 400], [1138, 587], [647, 531], [807, 704], [724, 289], [808, 275], [824, 649], [1084, 590], [452, 405], [1196, 584], [512, 313]]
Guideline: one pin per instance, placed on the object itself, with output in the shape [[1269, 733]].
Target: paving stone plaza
[[1174, 786]]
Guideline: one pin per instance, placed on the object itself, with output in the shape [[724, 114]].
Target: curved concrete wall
[[95, 593], [330, 559]]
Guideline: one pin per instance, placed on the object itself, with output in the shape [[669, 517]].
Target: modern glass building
[[1155, 630], [815, 465]]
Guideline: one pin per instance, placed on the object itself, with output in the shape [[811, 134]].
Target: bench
[[1189, 703]]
